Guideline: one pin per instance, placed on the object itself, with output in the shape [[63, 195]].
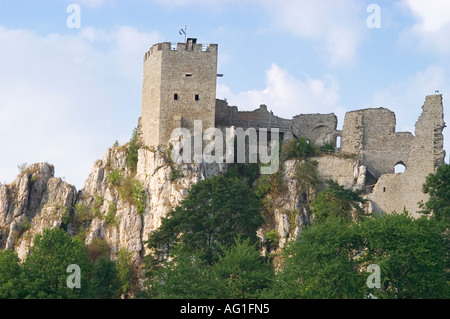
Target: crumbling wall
[[260, 118], [318, 128], [395, 192], [346, 172], [370, 133]]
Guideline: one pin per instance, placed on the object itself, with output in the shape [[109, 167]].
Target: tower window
[[175, 97], [197, 97]]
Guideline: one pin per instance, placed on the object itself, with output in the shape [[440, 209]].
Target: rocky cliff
[[107, 208], [36, 200]]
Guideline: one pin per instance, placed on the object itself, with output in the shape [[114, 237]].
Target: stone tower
[[179, 86]]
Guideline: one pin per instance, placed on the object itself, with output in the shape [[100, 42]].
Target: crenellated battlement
[[190, 45], [179, 87]]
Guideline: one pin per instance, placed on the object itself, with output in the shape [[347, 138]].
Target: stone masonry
[[318, 128], [422, 154], [179, 86]]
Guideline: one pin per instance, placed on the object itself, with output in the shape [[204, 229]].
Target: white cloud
[[61, 96], [430, 33], [287, 96], [433, 15], [337, 24]]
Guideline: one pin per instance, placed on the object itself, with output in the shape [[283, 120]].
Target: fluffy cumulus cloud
[[432, 14], [287, 96], [432, 25], [338, 25], [59, 99]]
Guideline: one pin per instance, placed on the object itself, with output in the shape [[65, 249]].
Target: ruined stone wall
[[319, 128], [395, 192], [345, 171], [370, 133], [179, 87], [260, 118]]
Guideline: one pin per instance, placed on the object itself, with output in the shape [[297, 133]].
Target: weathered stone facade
[[422, 156], [318, 128], [370, 136], [179, 86]]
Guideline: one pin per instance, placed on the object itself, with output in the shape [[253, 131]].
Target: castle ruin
[[179, 86]]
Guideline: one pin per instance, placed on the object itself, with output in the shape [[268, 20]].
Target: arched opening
[[321, 134], [399, 168], [338, 142]]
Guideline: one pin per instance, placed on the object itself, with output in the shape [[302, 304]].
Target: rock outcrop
[[130, 227], [102, 209], [34, 201], [290, 208]]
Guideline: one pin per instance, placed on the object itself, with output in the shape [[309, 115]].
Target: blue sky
[[66, 94]]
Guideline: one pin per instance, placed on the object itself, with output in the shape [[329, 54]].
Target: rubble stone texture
[[421, 154]]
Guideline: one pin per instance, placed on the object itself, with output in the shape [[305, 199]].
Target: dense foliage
[[44, 273], [133, 148], [331, 258], [207, 248], [337, 201], [240, 272], [438, 187], [213, 214]]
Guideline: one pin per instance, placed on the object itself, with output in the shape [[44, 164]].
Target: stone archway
[[321, 135], [400, 167]]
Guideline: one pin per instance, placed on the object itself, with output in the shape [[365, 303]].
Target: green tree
[[299, 148], [212, 215], [336, 201], [438, 187], [242, 271], [97, 249], [249, 172], [307, 176], [11, 285], [412, 255], [239, 273], [45, 268], [331, 258], [126, 272], [321, 264], [105, 279], [133, 148], [186, 275]]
